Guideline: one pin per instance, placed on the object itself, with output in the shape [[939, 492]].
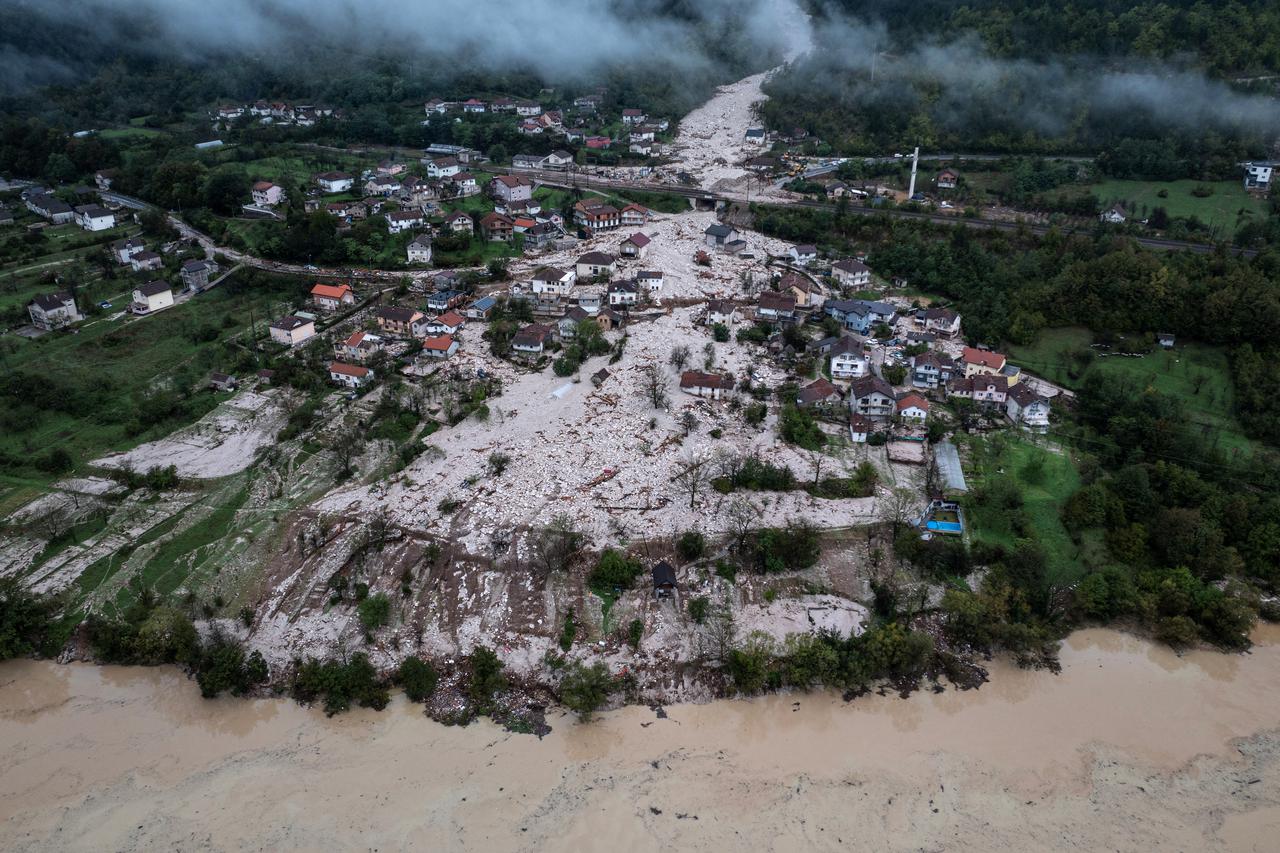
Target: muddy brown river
[[1130, 748]]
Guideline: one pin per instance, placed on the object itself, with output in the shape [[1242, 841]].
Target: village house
[[623, 294], [985, 390], [553, 280], [719, 235], [222, 382], [803, 254], [713, 385], [531, 340], [267, 194], [399, 221], [981, 362], [481, 308], [464, 184], [360, 347], [852, 273], [443, 300], [942, 322], [418, 191], [146, 262], [594, 264], [776, 307], [650, 280], [860, 427], [531, 161], [872, 396], [196, 274], [50, 311], [567, 326], [440, 346], [947, 180], [635, 247], [334, 182], [1257, 176], [1115, 215], [754, 136], [558, 159], [1026, 407], [349, 375], [931, 370], [459, 222], [540, 235], [124, 250], [912, 408], [721, 312], [391, 167], [509, 188], [42, 204], [818, 394], [396, 320], [632, 116], [419, 250], [474, 105], [292, 330], [331, 297], [151, 297], [95, 217], [634, 216], [384, 186], [848, 360], [596, 215], [859, 315], [443, 167], [497, 228], [645, 149], [447, 323], [807, 293], [590, 299], [104, 178]]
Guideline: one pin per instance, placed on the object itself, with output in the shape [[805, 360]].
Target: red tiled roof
[[348, 369]]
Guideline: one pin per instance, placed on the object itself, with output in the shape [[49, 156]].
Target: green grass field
[[1046, 477], [1197, 374], [1227, 208]]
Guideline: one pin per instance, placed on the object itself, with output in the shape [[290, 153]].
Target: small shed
[[664, 580], [222, 382], [1166, 339], [598, 378]]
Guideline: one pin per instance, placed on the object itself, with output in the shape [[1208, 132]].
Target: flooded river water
[[1130, 748]]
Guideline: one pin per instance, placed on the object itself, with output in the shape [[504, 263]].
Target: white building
[[335, 182], [151, 297], [93, 217], [54, 310], [292, 331], [349, 375], [419, 251], [267, 194]]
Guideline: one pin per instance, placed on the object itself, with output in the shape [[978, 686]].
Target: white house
[[151, 297], [459, 222], [292, 331], [721, 312], [404, 220], [650, 280], [146, 261], [441, 347], [593, 264], [859, 428], [942, 322], [419, 251], [872, 396], [851, 273], [803, 254], [331, 297], [335, 182], [553, 280], [848, 361], [124, 250], [1025, 406], [624, 293], [349, 375], [94, 217], [1115, 215], [699, 384], [54, 310], [267, 194], [443, 167], [509, 188], [532, 339], [635, 247], [913, 408], [1257, 176]]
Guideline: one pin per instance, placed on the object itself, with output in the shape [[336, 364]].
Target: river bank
[[1130, 748]]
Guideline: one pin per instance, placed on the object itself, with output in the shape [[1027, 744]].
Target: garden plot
[[222, 443]]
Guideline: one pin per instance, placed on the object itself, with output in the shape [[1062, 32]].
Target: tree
[[688, 422], [486, 678], [418, 679], [694, 474], [225, 191], [25, 619], [375, 611], [691, 545], [742, 516], [680, 355], [585, 688], [558, 544], [896, 507], [718, 632], [653, 386], [347, 447]]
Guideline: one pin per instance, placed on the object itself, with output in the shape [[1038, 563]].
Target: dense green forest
[[1149, 85]]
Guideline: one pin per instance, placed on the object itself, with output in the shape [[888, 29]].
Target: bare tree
[[653, 385], [688, 422], [558, 544], [347, 447], [895, 508], [742, 516], [816, 460], [680, 356], [719, 630], [695, 473]]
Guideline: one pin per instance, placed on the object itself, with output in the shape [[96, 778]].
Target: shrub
[[417, 678], [585, 688], [568, 632], [375, 611], [635, 633], [691, 545], [721, 333], [613, 571], [486, 678], [698, 608]]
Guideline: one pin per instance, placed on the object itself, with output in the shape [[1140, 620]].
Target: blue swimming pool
[[944, 526]]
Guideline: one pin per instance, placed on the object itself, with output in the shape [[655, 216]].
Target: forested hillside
[[1153, 86]]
